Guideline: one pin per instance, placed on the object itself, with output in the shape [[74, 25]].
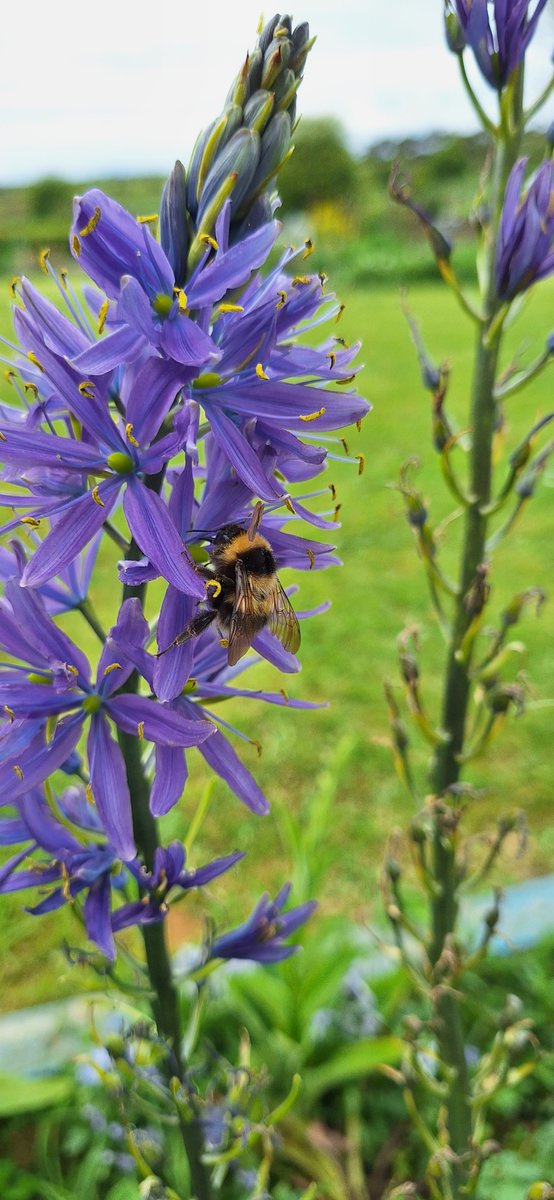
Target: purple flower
[[525, 249], [67, 857], [262, 937], [498, 34], [59, 689]]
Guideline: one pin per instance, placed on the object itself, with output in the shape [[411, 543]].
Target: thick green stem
[[446, 766], [165, 1004]]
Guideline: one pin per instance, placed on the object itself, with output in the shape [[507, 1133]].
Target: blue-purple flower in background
[[498, 33], [262, 937], [525, 247]]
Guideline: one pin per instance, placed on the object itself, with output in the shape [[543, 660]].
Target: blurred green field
[[347, 654]]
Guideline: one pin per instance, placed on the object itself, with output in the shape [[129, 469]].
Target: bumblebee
[[245, 594]]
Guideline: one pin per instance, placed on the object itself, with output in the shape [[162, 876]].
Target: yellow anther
[[313, 416], [289, 504], [284, 695], [309, 248], [18, 772], [32, 522], [149, 219], [129, 434], [301, 279], [336, 512], [91, 225], [72, 670], [3, 438], [340, 312], [282, 299], [63, 275], [112, 667], [348, 379], [224, 642], [9, 375], [231, 308], [14, 284], [102, 314], [9, 713], [33, 358], [260, 372], [76, 245], [332, 359], [86, 388], [345, 445], [182, 300], [97, 497], [361, 463], [215, 584], [140, 730], [322, 278], [31, 387], [333, 492], [343, 342], [258, 746], [208, 240], [88, 794], [43, 260], [359, 425], [311, 557]]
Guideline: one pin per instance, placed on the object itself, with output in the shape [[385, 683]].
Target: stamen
[[337, 511], [301, 279], [322, 278], [231, 308], [340, 312], [313, 416], [32, 522], [215, 584], [344, 382], [72, 670], [332, 359], [361, 463], [260, 372], [149, 219], [129, 434], [43, 260], [96, 497], [76, 245], [3, 437], [344, 445], [224, 642], [309, 248], [9, 713], [14, 284], [91, 225], [181, 298], [112, 667], [31, 387], [343, 342], [63, 275], [89, 794], [102, 314], [18, 772], [258, 746], [333, 492], [359, 426], [282, 300], [33, 358], [284, 695], [289, 505], [86, 389], [311, 557], [140, 730], [208, 240]]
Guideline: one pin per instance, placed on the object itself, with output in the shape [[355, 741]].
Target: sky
[[118, 88]]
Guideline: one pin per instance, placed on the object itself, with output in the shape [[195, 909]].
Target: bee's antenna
[[255, 522]]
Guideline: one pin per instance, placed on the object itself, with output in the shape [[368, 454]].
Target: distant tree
[[50, 196], [321, 168]]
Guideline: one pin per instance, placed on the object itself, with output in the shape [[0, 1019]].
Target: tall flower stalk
[[167, 398], [516, 250]]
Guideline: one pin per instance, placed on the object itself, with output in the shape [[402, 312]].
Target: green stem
[[165, 1002], [447, 761]]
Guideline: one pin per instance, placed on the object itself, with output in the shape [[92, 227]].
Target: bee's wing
[[282, 619], [247, 619]]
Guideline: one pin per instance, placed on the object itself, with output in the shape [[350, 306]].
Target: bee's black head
[[227, 534]]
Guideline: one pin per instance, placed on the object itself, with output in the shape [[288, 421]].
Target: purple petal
[[157, 537], [41, 632], [169, 780], [149, 393], [172, 670], [121, 346], [41, 759], [109, 787], [75, 528], [186, 343], [241, 455], [158, 723], [221, 757], [97, 914]]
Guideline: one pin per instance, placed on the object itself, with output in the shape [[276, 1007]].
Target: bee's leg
[[193, 629]]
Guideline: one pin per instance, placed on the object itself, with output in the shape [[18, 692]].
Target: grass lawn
[[347, 654]]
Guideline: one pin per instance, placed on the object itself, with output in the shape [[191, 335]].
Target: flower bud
[[174, 234], [455, 37]]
